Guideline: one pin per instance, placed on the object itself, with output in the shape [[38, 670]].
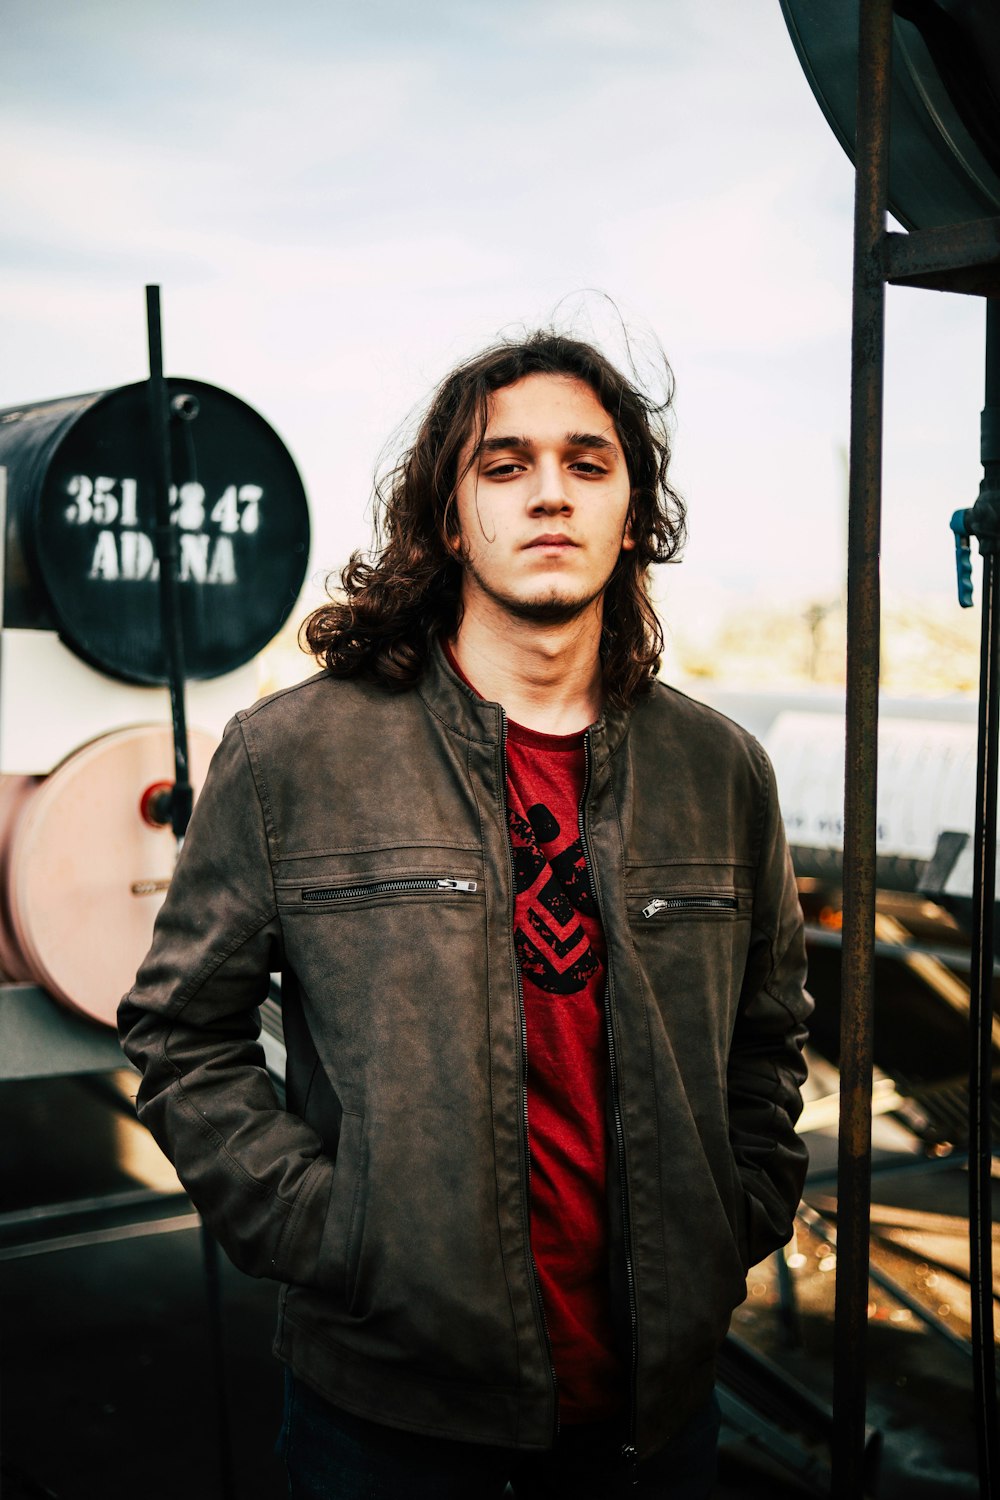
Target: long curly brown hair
[[407, 591]]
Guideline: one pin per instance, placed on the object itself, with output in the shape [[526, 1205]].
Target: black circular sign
[[241, 520], [944, 141]]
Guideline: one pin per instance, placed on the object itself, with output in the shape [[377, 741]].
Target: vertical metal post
[[984, 899], [166, 552], [863, 620], [172, 638], [213, 1293]]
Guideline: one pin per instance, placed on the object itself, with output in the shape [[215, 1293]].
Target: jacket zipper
[[690, 903], [629, 1450], [523, 1027], [388, 888]]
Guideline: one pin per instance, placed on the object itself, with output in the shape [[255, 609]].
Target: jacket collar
[[449, 699]]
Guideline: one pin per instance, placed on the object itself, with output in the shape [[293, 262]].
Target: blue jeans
[[332, 1455]]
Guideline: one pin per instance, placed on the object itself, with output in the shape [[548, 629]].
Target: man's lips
[[550, 540]]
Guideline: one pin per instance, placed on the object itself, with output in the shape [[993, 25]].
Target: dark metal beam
[[863, 624], [953, 258]]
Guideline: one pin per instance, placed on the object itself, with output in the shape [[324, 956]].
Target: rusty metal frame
[[957, 258], [861, 753]]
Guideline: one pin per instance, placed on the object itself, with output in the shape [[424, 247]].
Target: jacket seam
[[295, 687], [205, 1125], [351, 1282], [779, 1000], [669, 864], [263, 802], [766, 984], [342, 849], [452, 729], [214, 961], [211, 1132], [765, 803], [309, 1087], [295, 1209]]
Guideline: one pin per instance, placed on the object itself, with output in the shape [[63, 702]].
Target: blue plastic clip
[[963, 559]]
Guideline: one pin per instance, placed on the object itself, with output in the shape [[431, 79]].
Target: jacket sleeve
[[766, 1066], [191, 1025]]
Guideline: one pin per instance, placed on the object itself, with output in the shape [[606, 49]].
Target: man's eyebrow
[[573, 440], [498, 444], [590, 440]]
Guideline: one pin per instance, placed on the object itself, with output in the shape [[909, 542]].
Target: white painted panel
[[51, 702], [926, 780]]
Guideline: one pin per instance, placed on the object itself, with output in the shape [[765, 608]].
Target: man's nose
[[550, 495]]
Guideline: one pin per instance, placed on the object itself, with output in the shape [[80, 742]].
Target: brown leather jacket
[[356, 840]]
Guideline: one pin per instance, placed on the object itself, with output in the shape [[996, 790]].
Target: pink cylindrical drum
[[87, 871]]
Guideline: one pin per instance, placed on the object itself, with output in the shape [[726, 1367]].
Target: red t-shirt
[[561, 956]]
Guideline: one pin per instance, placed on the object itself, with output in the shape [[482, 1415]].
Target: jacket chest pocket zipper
[[388, 888], [691, 903]]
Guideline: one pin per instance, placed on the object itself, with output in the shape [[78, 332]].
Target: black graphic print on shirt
[[557, 955]]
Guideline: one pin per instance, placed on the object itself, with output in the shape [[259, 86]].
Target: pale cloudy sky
[[341, 199]]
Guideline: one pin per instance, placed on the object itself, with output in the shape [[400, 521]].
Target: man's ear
[[628, 540], [450, 528]]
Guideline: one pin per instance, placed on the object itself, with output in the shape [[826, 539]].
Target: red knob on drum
[[154, 804]]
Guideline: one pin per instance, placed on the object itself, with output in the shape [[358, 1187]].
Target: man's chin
[[548, 606], [546, 611]]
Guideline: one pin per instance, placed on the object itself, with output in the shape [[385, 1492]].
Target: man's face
[[543, 507]]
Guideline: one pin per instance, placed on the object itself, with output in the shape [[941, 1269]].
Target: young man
[[542, 969]]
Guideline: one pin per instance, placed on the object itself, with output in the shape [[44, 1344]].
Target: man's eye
[[584, 466], [501, 471]]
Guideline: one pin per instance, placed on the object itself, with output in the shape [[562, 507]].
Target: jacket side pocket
[[345, 1220], [740, 1213], [321, 1238]]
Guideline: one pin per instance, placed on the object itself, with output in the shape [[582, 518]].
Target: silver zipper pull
[[653, 908], [630, 1457], [458, 885]]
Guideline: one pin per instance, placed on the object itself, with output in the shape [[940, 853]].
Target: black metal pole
[[213, 1294], [167, 552], [985, 524], [861, 761], [172, 637]]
